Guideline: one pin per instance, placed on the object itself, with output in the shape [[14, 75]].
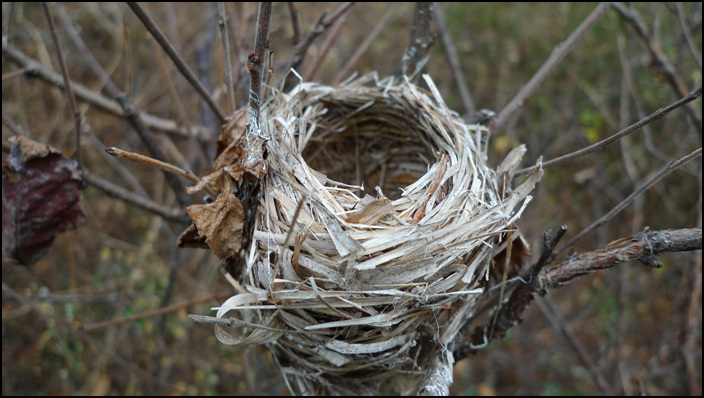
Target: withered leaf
[[221, 223], [41, 193]]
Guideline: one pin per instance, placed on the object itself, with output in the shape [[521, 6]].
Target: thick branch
[[642, 247]]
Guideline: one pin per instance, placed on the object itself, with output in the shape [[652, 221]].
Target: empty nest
[[374, 237]]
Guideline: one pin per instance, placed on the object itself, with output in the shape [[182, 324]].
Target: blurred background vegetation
[[640, 329]]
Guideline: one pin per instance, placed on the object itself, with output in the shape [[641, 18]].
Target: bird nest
[[374, 236]]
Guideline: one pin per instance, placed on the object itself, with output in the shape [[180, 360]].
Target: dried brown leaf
[[221, 223]]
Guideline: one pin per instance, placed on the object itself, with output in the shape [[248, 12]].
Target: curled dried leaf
[[221, 223]]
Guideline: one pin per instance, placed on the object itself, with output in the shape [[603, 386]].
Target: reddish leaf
[[40, 198]]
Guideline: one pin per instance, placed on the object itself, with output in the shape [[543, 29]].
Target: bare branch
[[229, 87], [454, 60], [642, 247], [560, 51], [34, 69], [601, 145], [365, 44], [67, 81], [415, 56], [332, 36], [295, 25], [659, 61], [617, 209], [173, 54], [135, 199]]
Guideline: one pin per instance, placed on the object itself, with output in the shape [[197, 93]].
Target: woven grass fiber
[[374, 237]]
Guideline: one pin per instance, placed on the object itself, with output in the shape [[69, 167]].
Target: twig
[[659, 60], [365, 44], [453, 59], [67, 81], [229, 87], [323, 22], [173, 54], [657, 177], [135, 157], [95, 326], [295, 25], [558, 53], [552, 313], [135, 199], [332, 36], [415, 56], [34, 69], [601, 145]]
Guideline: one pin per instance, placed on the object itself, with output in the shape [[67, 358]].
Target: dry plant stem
[[67, 81], [229, 87], [325, 48], [365, 44], [453, 59], [14, 128], [414, 58], [601, 145], [34, 69], [657, 177], [560, 51], [95, 326], [135, 157], [135, 199], [173, 54], [295, 25], [693, 48]]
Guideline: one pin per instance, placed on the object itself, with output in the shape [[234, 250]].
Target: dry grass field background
[[628, 330]]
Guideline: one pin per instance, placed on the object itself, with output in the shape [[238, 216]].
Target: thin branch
[[601, 145], [295, 25], [34, 69], [558, 53], [415, 56], [229, 87], [332, 36], [67, 81], [165, 310], [552, 313], [365, 44], [453, 59], [658, 59], [323, 23], [617, 209], [135, 199], [173, 54]]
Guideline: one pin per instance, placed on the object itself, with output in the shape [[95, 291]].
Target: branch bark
[[644, 247]]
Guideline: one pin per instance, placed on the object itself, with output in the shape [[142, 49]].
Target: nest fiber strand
[[359, 284]]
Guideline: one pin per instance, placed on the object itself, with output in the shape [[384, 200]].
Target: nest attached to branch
[[353, 287]]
